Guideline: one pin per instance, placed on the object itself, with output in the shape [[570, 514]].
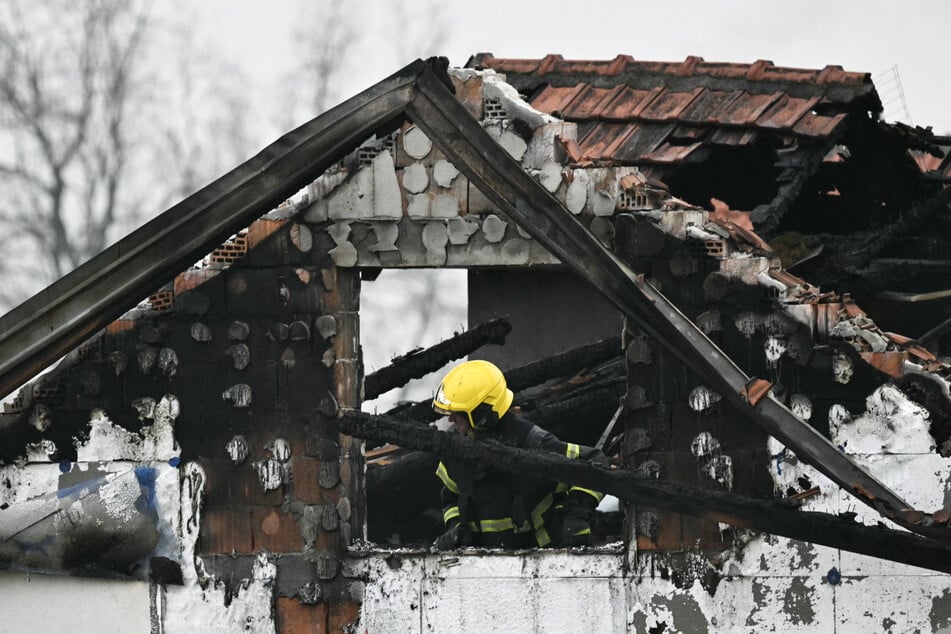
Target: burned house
[[783, 454]]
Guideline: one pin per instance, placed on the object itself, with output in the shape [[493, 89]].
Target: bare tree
[[67, 75], [94, 95]]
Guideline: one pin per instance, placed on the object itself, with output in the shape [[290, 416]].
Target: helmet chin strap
[[484, 417]]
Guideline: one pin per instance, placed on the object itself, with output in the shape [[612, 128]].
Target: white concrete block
[[418, 205], [33, 603], [387, 201], [889, 604], [416, 143], [444, 172], [445, 206], [772, 556], [415, 178], [354, 198]]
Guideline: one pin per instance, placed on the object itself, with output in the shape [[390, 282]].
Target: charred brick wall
[[675, 427], [260, 349]]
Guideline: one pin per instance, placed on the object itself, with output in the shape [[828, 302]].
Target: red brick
[[342, 614], [293, 617], [304, 486], [225, 530], [275, 531], [227, 484]]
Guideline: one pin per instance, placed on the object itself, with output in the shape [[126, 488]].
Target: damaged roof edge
[[536, 211], [46, 326]]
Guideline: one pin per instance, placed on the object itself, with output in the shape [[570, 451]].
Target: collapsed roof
[[63, 315]]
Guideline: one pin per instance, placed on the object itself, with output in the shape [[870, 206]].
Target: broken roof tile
[[818, 125], [710, 107], [785, 112], [668, 106], [747, 107], [670, 153], [727, 136], [737, 104]]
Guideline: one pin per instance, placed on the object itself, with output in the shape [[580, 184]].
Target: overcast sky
[[869, 36]]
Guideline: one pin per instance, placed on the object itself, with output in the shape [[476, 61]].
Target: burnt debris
[[418, 363], [772, 516]]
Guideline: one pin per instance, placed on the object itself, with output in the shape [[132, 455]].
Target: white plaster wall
[[590, 593], [46, 603], [767, 583]]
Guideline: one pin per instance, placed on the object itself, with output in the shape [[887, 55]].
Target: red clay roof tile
[[633, 111]]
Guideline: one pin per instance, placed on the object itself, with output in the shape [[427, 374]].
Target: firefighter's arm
[[450, 497], [539, 438]]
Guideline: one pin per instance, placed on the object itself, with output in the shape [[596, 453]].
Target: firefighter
[[491, 509]]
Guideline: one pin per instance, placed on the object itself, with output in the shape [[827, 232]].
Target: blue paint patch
[[89, 485], [834, 577], [174, 461], [146, 477], [65, 466]]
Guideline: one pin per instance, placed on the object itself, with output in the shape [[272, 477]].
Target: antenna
[[894, 106]]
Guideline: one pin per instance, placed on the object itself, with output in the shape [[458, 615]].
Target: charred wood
[[526, 376], [769, 516], [852, 267], [562, 364], [419, 363], [767, 218]]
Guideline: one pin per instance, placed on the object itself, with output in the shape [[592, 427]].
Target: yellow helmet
[[476, 388]]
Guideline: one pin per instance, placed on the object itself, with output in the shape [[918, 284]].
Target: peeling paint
[[108, 441], [238, 331], [203, 603], [271, 473], [890, 424], [415, 178], [702, 398], [40, 418], [493, 228], [237, 449], [842, 368], [326, 325], [704, 445], [240, 356], [801, 406], [168, 362], [200, 332], [238, 395], [774, 348]]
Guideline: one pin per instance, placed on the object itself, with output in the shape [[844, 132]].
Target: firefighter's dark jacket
[[495, 503]]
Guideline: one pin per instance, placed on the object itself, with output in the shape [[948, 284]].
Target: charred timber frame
[[770, 516], [67, 312], [415, 365], [487, 165]]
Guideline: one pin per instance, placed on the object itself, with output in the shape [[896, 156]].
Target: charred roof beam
[[502, 180], [769, 516], [419, 363]]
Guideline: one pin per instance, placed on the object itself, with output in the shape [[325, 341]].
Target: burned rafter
[[557, 366], [493, 171], [768, 217], [418, 363], [563, 363], [771, 516], [855, 260]]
